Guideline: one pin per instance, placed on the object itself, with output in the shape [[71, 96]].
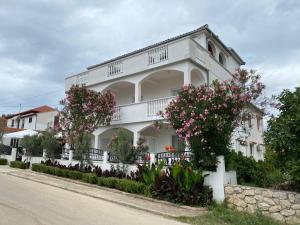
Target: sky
[[42, 42]]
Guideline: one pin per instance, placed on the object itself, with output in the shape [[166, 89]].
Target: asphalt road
[[24, 202]]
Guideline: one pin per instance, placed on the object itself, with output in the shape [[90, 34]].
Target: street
[[24, 202]]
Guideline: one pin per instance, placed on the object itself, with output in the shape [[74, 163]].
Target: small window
[[210, 48], [30, 120], [259, 121], [251, 149], [250, 120], [18, 123], [12, 123], [23, 123], [221, 59]]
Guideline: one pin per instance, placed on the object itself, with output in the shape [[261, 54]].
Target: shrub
[[111, 182], [19, 164], [180, 184], [3, 161]]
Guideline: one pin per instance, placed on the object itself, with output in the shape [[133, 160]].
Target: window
[[210, 48], [177, 143], [18, 123], [14, 142], [12, 123], [251, 149], [250, 120], [259, 120], [30, 120], [23, 123], [221, 58]]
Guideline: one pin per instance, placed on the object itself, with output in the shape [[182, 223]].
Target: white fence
[[216, 180]]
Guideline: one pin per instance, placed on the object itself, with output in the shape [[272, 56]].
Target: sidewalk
[[126, 199]]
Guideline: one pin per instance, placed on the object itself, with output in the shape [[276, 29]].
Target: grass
[[221, 215]]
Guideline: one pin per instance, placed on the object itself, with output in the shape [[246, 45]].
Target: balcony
[[138, 112]]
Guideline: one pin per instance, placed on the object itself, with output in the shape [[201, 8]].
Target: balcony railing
[[115, 68], [157, 105], [158, 55]]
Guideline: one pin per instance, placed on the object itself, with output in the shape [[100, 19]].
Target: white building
[[144, 81], [37, 119]]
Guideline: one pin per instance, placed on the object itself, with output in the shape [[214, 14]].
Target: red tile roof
[[40, 109]]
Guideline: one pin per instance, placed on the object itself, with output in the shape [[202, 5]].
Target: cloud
[[42, 42]]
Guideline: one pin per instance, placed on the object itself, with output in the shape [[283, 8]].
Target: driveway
[[28, 203]]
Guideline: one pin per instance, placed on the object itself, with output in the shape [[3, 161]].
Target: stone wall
[[281, 205]]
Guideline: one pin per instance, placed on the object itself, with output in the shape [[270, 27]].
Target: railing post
[[152, 158], [44, 153], [13, 154], [71, 153], [105, 157]]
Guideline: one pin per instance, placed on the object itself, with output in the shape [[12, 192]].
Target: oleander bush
[[19, 164], [3, 161]]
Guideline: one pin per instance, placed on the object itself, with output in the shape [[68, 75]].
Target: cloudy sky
[[42, 42]]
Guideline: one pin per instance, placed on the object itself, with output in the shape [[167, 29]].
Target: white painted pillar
[[137, 93], [105, 157], [187, 79], [152, 158], [71, 154], [13, 154], [96, 144], [44, 153], [136, 137]]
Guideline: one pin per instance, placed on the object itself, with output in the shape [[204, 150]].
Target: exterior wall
[[40, 121], [280, 205]]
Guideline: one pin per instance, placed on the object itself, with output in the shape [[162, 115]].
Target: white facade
[[34, 121], [146, 80]]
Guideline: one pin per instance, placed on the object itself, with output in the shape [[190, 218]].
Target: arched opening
[[222, 58], [161, 84], [211, 48], [157, 140], [124, 92], [106, 137], [197, 78]]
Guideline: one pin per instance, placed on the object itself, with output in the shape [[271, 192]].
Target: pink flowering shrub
[[83, 111], [205, 117]]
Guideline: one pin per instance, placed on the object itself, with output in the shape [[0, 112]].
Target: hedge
[[19, 164], [3, 161], [110, 182]]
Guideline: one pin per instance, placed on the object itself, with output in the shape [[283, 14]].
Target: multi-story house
[[144, 82], [37, 119]]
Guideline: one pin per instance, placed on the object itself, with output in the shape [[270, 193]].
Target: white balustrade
[[158, 55], [155, 106], [115, 68]]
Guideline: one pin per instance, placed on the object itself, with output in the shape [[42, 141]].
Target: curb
[[169, 215]]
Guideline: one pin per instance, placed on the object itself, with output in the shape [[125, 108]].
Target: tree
[[122, 147], [2, 128], [205, 117], [283, 133], [51, 144], [84, 111], [33, 145]]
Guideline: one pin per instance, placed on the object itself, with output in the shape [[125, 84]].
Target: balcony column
[[137, 93], [96, 144], [187, 79], [136, 137]]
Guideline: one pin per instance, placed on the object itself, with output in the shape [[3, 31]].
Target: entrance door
[[152, 144]]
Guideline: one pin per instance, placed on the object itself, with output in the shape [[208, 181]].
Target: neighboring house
[[37, 119], [146, 80]]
